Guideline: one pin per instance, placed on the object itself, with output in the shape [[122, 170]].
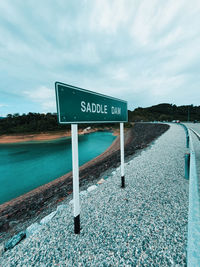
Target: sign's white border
[[90, 92]]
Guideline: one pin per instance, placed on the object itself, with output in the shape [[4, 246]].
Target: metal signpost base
[[75, 171], [77, 227], [122, 153]]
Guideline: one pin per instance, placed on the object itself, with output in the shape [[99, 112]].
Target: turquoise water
[[25, 166]]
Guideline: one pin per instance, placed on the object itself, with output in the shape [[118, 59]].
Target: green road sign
[[76, 105]]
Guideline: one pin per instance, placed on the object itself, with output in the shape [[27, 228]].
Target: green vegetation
[[37, 123], [165, 112], [29, 123]]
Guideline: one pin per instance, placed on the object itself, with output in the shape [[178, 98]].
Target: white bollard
[[75, 171], [122, 153]]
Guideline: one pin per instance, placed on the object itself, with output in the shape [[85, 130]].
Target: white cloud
[[168, 12], [43, 96], [155, 20], [3, 105], [164, 86], [118, 74], [108, 15], [171, 38], [143, 22]]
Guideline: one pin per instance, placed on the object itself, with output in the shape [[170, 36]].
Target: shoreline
[[48, 136]]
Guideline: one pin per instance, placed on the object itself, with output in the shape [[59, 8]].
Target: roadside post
[[187, 140], [75, 172], [75, 106], [122, 153], [187, 166]]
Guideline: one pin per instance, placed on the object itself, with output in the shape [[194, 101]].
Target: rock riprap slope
[[144, 224]]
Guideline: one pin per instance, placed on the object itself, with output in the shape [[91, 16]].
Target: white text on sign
[[99, 108]]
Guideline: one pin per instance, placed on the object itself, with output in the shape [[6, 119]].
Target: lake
[[25, 166]]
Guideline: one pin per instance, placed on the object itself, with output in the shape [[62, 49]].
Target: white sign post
[[75, 172], [76, 105], [122, 153]]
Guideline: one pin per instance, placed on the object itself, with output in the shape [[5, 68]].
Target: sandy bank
[[18, 138]]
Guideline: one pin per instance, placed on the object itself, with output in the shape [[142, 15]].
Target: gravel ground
[[144, 224]]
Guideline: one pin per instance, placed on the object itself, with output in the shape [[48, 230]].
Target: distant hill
[[165, 112]]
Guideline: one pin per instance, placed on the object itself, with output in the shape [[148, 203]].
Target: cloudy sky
[[145, 52]]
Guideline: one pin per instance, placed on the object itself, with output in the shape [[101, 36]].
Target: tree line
[[37, 122], [166, 112]]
